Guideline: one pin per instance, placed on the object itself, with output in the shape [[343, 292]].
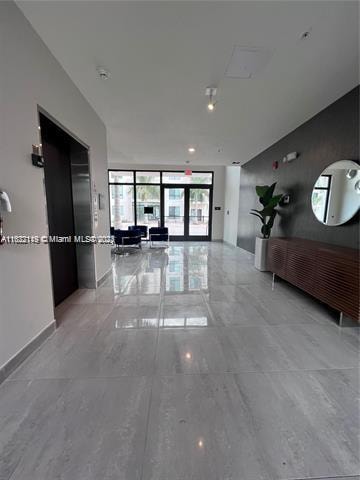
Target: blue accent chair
[[126, 238], [159, 234], [142, 228]]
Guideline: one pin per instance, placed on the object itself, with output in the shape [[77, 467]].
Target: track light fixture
[[210, 93]]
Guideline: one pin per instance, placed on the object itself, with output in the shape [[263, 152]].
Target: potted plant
[[267, 215]]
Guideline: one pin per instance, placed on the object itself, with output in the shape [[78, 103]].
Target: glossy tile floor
[[185, 365]]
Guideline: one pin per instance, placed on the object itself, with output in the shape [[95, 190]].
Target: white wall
[[218, 190], [30, 76], [231, 209]]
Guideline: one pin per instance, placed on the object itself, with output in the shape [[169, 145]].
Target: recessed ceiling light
[[191, 150], [200, 443]]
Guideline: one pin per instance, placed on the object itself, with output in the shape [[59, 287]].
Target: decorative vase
[[260, 253]]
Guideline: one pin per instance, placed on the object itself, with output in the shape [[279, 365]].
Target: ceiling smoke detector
[[305, 34], [103, 73]]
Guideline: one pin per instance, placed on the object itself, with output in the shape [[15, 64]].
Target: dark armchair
[[143, 229], [159, 234], [126, 238]]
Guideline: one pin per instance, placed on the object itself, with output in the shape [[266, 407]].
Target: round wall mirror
[[335, 197]]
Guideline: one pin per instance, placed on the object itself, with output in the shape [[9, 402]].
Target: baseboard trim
[[26, 351], [229, 244], [103, 278], [246, 251], [240, 248]]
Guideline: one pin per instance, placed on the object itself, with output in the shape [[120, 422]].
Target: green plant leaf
[[267, 211], [261, 190], [270, 222], [274, 201], [256, 215], [268, 194], [269, 202], [257, 211]]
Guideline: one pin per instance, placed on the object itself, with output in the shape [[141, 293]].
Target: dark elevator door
[[56, 151]]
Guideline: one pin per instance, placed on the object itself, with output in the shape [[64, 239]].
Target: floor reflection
[[182, 322], [137, 323], [187, 269]]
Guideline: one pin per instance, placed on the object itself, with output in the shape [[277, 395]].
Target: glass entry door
[[199, 212], [187, 212], [174, 209], [172, 198]]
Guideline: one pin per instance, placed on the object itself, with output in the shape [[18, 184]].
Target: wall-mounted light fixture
[[36, 156], [5, 201], [6, 206]]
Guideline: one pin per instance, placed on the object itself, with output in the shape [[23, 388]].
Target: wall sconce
[[36, 156], [5, 201], [290, 157], [4, 197]]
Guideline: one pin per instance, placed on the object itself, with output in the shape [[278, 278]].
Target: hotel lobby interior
[[179, 235]]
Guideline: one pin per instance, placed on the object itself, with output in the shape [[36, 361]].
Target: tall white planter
[[260, 253]]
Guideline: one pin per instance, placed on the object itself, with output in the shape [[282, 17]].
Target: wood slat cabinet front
[[276, 256], [327, 272]]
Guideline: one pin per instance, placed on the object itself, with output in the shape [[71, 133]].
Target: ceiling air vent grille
[[246, 62]]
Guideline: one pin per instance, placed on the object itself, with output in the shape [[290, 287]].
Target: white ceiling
[[162, 56]]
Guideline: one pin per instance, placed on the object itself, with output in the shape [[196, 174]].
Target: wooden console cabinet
[[327, 272]]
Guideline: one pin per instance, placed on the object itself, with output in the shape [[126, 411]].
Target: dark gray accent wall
[[332, 135]]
